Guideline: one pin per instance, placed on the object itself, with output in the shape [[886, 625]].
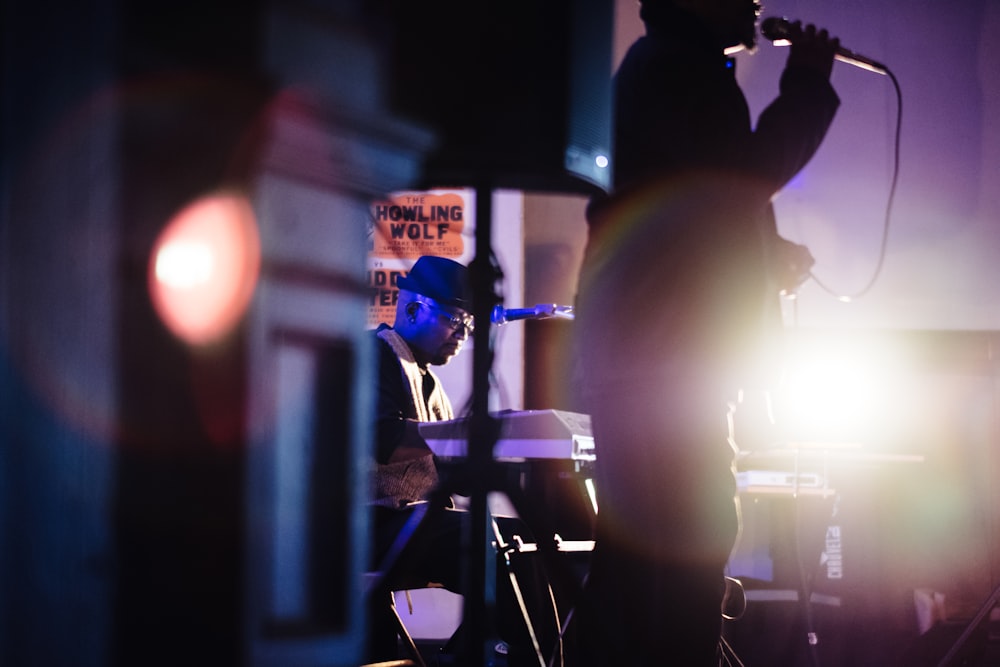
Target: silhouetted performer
[[678, 296]]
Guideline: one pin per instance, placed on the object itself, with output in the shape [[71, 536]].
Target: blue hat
[[442, 279]]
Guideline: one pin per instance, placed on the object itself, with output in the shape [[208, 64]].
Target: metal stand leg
[[980, 616]]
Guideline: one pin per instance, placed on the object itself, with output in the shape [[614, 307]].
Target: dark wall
[[121, 471], [55, 396], [188, 118]]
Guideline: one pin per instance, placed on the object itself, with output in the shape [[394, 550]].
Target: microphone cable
[[847, 298]]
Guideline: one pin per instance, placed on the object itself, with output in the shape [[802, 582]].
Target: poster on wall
[[405, 226]]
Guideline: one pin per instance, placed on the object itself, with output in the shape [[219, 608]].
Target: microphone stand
[[483, 474], [479, 607], [950, 659]]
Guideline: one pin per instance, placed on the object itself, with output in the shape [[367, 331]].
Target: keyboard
[[524, 435]]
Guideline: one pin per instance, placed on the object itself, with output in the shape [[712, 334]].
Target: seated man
[[432, 323]]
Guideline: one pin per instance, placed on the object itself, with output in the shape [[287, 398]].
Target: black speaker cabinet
[[518, 93]]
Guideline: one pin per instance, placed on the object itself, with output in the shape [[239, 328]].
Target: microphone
[[776, 30], [542, 311]]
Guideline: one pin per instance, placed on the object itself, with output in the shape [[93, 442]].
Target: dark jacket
[[684, 256], [405, 468]]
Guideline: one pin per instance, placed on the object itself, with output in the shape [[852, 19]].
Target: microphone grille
[[774, 28]]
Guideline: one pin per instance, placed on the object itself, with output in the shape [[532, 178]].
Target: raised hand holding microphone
[[780, 31], [810, 48]]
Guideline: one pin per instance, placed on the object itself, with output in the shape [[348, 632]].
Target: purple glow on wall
[[941, 269]]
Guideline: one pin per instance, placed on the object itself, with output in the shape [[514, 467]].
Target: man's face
[[733, 21], [438, 332]]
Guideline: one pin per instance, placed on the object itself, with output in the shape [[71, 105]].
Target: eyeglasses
[[454, 321]]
